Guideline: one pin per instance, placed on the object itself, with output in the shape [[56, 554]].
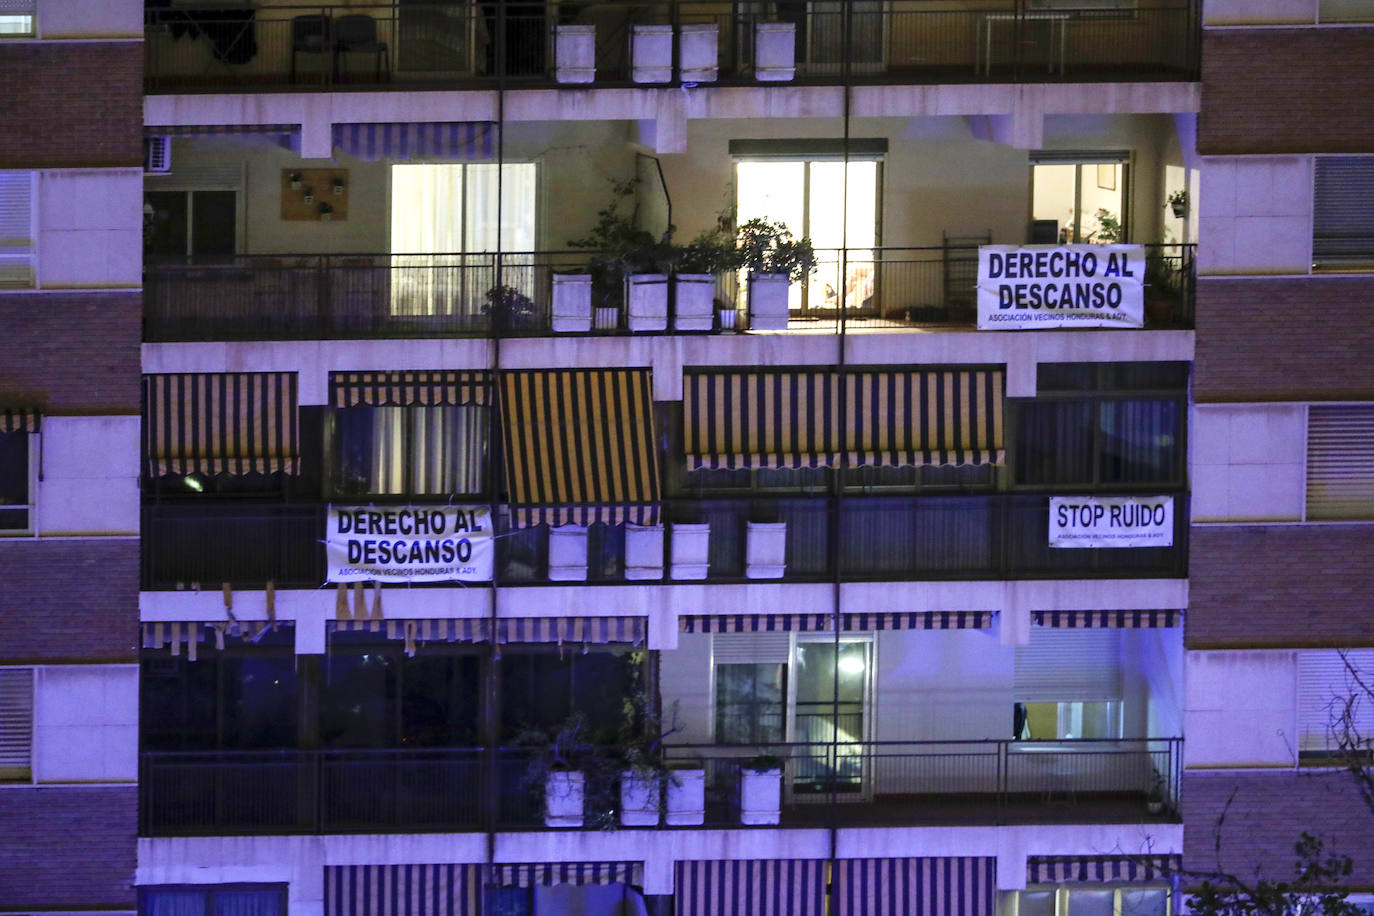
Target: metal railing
[[887, 783], [342, 296], [440, 45]]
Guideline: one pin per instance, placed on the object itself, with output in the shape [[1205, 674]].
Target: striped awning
[[418, 632], [922, 620], [580, 447], [402, 890], [793, 419], [175, 633], [545, 874], [1062, 869], [286, 136], [19, 420], [1094, 619], [953, 886], [233, 423], [409, 389], [753, 623], [751, 887], [466, 141], [585, 630]]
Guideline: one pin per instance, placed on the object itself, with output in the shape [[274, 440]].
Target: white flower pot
[[760, 796], [690, 551], [639, 795], [765, 550], [775, 51], [563, 795], [574, 53], [568, 553], [695, 298], [643, 552], [698, 52], [572, 303], [768, 301], [647, 299], [729, 319], [651, 53], [686, 798], [606, 318]]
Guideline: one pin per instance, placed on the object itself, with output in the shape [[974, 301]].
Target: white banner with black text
[[1111, 521], [1058, 286], [409, 544]]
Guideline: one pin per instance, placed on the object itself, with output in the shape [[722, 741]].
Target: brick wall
[[1291, 338], [43, 828], [71, 104], [68, 600], [1267, 813], [72, 353], [1287, 91], [1279, 585]]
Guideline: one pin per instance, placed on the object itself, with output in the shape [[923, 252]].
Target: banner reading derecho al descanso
[[1111, 521], [1056, 286], [409, 543]]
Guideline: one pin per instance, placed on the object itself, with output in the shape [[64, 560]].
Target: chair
[[309, 35], [358, 33]]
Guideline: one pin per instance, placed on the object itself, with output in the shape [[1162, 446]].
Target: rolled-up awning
[[546, 874], [953, 886], [920, 620], [232, 423], [585, 630], [19, 420], [459, 141], [1097, 619], [751, 887], [440, 388], [403, 890], [418, 632], [793, 419], [580, 447], [286, 136], [753, 623], [1063, 869]]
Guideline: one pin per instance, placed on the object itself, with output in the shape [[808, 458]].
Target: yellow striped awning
[[230, 423], [793, 419], [437, 388], [18, 420], [580, 447]]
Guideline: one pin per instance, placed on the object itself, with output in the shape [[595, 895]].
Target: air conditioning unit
[[157, 154]]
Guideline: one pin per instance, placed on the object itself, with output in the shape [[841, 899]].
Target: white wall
[[90, 475], [1255, 215], [1241, 709], [1152, 663], [1268, 12], [86, 723], [87, 19], [1248, 462], [943, 684], [90, 228]]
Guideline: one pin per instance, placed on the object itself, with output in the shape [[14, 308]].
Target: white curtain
[[443, 449]]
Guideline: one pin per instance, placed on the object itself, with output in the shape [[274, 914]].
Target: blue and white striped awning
[[954, 886], [1062, 869], [544, 874], [1097, 619], [757, 887], [753, 623], [287, 136], [921, 620], [585, 630], [455, 141], [402, 890]]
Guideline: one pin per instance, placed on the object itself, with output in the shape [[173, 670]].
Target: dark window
[[14, 482], [1099, 442], [541, 687], [223, 900], [750, 703], [375, 696], [1090, 377], [409, 450]]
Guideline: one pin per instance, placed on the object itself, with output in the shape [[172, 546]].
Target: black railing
[[247, 543], [887, 783], [310, 297], [439, 45]]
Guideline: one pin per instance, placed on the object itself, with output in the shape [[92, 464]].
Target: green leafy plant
[[1178, 202], [621, 247], [1109, 228], [770, 248], [762, 763], [711, 252], [509, 308]]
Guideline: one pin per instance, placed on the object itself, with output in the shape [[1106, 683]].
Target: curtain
[[158, 902], [1054, 442], [517, 221], [419, 451], [248, 903], [1140, 441]]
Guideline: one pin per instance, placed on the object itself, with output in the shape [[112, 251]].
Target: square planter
[[760, 796], [695, 298], [729, 319], [564, 792], [765, 550], [698, 52], [606, 318], [686, 798], [768, 301], [574, 53], [572, 303], [775, 51], [690, 551], [651, 53], [568, 553], [647, 298], [643, 552], [639, 796]]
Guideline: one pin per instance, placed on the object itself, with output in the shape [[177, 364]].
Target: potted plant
[[1109, 229], [1178, 202], [644, 771], [326, 212], [309, 195], [1154, 798], [337, 186], [686, 793], [557, 770], [508, 309], [631, 265], [698, 263], [775, 259], [295, 181], [760, 789]]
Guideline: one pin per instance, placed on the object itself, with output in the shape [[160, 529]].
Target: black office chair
[[309, 35], [358, 33]]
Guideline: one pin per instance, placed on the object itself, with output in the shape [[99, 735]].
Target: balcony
[[893, 783], [267, 47], [347, 296]]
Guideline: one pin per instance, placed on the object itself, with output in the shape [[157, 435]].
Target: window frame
[[1062, 892], [30, 486], [1307, 462], [26, 254], [334, 451], [32, 671], [1080, 158], [209, 891]]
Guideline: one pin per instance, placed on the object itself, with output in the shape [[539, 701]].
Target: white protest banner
[[1058, 286], [1111, 521], [409, 544]]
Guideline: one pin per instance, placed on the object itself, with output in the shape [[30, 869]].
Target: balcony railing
[[875, 783], [248, 543], [343, 296], [441, 45]]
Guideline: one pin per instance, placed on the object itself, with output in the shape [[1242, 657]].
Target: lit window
[[430, 451]]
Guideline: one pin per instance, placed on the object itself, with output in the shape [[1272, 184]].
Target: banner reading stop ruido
[[409, 544], [1111, 521]]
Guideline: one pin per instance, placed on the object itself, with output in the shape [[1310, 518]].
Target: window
[[1080, 197], [1078, 719], [750, 703], [1099, 442], [17, 246], [1068, 684], [1340, 462], [16, 482], [1089, 900], [429, 451], [541, 687], [218, 900], [1335, 713], [195, 225], [16, 18], [1343, 213], [16, 724]]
